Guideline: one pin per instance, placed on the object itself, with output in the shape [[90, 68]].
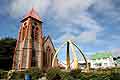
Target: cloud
[[103, 5], [83, 37], [87, 22], [75, 16], [90, 26], [87, 36], [116, 52], [71, 18], [74, 20], [108, 9], [18, 8], [65, 37], [65, 7]]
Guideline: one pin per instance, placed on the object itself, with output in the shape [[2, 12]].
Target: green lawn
[[57, 74]]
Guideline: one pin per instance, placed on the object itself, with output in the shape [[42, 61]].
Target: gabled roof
[[49, 38], [32, 13], [101, 55]]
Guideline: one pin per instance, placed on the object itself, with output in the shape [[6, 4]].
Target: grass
[[57, 74]]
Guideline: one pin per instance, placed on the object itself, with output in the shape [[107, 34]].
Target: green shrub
[[58, 74], [53, 72], [75, 73], [35, 73], [94, 76], [3, 74], [18, 75], [115, 76], [63, 75]]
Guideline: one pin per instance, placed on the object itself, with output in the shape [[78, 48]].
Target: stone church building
[[33, 49]]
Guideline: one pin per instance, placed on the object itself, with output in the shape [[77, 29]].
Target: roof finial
[[32, 9], [32, 13]]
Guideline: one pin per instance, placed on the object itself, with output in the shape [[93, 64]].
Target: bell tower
[[29, 47]]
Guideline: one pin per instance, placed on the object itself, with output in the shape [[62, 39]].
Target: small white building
[[102, 60], [82, 64]]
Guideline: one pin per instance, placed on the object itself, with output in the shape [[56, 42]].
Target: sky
[[94, 25]]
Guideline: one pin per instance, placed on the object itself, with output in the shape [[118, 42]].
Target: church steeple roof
[[32, 13]]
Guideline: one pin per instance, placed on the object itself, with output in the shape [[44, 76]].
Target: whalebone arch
[[75, 59]]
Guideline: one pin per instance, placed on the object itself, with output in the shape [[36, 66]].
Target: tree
[[7, 46]]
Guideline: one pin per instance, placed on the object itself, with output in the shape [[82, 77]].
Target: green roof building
[[101, 55], [102, 60]]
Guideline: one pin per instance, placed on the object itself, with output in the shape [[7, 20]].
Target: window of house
[[44, 58], [25, 23], [34, 23], [20, 34], [105, 64], [47, 55], [99, 64], [36, 31], [51, 58], [23, 33]]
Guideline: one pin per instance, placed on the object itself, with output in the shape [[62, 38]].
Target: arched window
[[23, 33], [36, 32], [44, 58], [48, 50], [51, 58], [25, 23], [34, 23], [19, 35]]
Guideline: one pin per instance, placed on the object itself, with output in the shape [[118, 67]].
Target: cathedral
[[33, 49]]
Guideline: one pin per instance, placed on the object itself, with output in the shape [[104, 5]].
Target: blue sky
[[93, 24]]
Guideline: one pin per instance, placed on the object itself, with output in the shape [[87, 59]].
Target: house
[[102, 60]]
